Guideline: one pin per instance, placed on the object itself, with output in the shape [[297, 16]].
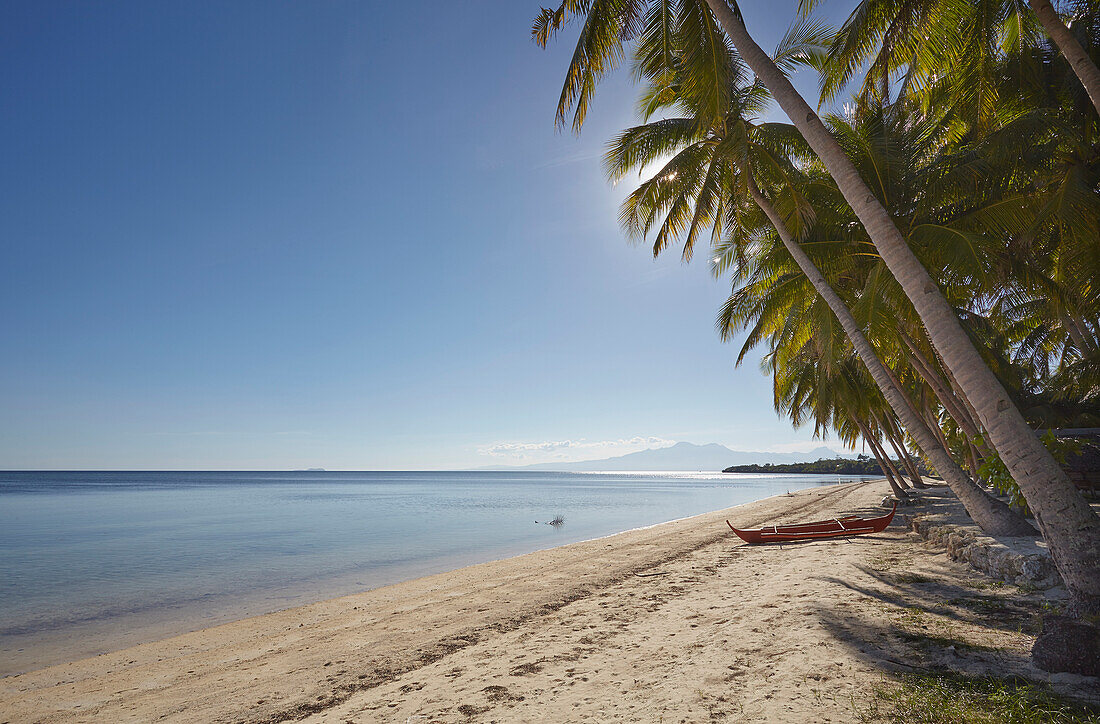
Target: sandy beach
[[677, 622]]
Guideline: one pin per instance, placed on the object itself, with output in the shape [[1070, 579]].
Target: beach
[[675, 622]]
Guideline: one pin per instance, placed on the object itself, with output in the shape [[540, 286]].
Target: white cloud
[[571, 449]]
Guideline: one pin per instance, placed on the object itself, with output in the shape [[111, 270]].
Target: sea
[[95, 561]]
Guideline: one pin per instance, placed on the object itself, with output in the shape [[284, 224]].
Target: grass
[[928, 640], [981, 584], [942, 697], [983, 605], [910, 577], [913, 616]]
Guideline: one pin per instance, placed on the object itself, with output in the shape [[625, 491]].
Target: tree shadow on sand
[[998, 607], [906, 623]]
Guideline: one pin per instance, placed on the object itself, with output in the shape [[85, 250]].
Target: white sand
[[723, 630]]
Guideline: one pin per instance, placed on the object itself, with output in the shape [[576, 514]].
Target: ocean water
[[93, 561]]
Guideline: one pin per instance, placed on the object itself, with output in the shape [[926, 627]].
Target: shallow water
[[91, 561]]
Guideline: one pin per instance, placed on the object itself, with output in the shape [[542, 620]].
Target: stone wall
[[1022, 561]]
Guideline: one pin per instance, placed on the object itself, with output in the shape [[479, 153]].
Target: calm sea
[[92, 561]]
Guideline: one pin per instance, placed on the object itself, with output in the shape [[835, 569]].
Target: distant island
[[841, 466], [683, 456]]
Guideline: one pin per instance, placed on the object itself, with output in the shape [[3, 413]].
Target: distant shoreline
[[840, 466]]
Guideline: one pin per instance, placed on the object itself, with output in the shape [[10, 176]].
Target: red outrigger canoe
[[835, 528]]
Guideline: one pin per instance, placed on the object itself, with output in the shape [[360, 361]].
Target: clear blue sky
[[268, 235]]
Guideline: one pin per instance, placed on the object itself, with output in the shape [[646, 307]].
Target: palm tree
[[1083, 65], [925, 38], [714, 166], [1069, 525], [809, 383], [768, 306], [1071, 528]]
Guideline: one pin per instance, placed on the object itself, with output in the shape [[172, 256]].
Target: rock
[[1021, 563], [1068, 645]]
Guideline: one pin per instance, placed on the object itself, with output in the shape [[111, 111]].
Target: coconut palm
[[1067, 41], [998, 229], [770, 300], [1072, 529], [927, 40], [809, 384], [705, 186], [1070, 526]]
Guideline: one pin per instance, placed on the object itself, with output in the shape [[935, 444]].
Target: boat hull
[[818, 530]]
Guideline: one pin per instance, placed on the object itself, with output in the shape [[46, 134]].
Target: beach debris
[[649, 575], [556, 522]]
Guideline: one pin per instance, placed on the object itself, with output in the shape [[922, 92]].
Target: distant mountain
[[682, 456]]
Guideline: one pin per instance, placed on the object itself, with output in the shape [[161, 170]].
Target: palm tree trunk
[[946, 396], [992, 515], [890, 433], [905, 460], [911, 464], [980, 441], [887, 470], [1063, 37], [933, 424], [1071, 528], [949, 400], [893, 468]]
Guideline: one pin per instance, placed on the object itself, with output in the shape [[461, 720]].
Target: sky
[[275, 235]]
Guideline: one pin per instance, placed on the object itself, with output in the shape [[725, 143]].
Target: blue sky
[[261, 235]]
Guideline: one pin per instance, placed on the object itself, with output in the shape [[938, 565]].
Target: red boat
[[835, 528]]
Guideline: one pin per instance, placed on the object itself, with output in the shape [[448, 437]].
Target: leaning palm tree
[[771, 300], [1070, 526], [923, 39], [1079, 60], [705, 184], [809, 383]]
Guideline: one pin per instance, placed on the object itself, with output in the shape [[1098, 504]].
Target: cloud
[[561, 449]]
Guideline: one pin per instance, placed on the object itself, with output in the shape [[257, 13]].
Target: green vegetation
[[841, 466], [916, 258], [942, 697], [994, 472]]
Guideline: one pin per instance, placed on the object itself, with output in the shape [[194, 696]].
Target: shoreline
[[53, 642], [156, 628], [570, 631]]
